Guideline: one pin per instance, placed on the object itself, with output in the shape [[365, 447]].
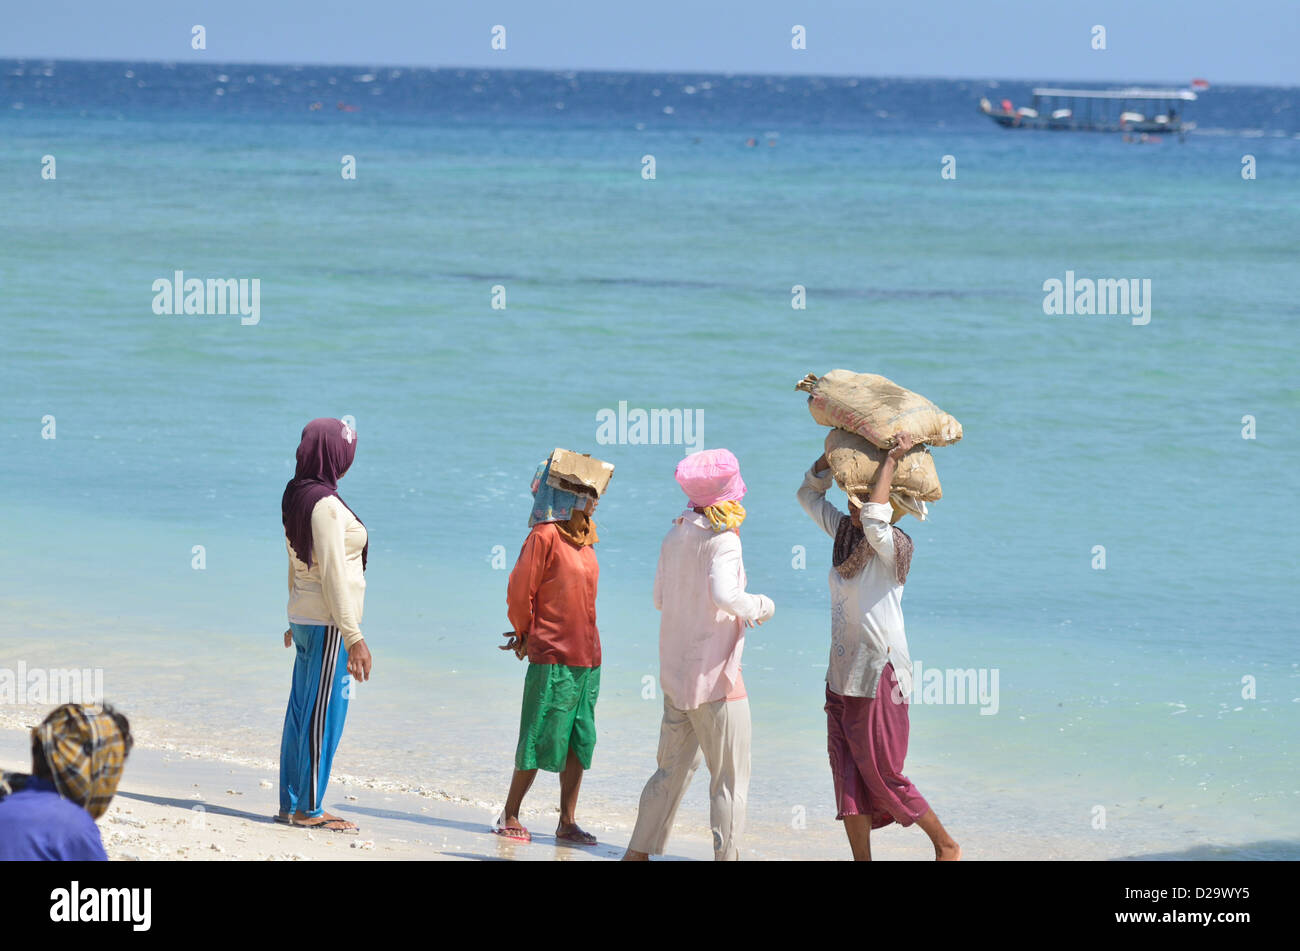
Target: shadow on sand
[[190, 804], [562, 850]]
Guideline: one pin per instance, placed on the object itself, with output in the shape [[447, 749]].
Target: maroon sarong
[[867, 742]]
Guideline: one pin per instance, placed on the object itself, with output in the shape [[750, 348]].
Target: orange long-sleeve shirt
[[551, 597]]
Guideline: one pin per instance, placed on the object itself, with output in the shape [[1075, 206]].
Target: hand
[[359, 661], [769, 610], [821, 464], [288, 638], [903, 443], [516, 643]]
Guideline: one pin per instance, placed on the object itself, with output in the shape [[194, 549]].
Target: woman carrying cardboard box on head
[[869, 678], [551, 603], [700, 590]]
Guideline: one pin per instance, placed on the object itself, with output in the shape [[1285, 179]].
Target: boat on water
[[1135, 111]]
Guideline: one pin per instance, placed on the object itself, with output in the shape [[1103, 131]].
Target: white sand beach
[[176, 806]]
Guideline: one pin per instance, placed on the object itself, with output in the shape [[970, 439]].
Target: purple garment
[[37, 824], [867, 742], [325, 453]]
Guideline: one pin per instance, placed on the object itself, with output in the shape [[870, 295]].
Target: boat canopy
[[1136, 110], [1185, 95]]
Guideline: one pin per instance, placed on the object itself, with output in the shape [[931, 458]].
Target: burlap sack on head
[[876, 409], [854, 463]]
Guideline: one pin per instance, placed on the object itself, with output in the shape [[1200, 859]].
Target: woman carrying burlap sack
[[869, 679]]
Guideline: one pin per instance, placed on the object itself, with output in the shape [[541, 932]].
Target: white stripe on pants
[[717, 734]]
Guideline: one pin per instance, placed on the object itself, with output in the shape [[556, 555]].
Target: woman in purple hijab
[[327, 546]]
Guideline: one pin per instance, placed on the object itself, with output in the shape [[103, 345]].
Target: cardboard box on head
[[579, 472]]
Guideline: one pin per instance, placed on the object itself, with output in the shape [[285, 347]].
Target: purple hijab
[[326, 451]]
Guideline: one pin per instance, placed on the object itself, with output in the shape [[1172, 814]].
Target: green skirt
[[559, 715]]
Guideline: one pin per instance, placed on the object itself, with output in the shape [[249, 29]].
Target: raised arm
[[877, 512], [903, 444], [812, 496]]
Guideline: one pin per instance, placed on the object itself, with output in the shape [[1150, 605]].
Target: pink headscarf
[[710, 477]]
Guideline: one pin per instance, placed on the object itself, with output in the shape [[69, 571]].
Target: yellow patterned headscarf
[[725, 516], [85, 752]]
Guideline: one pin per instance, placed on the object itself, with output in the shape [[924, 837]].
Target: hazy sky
[[1228, 41]]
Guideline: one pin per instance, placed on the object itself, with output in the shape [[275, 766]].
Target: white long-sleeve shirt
[[700, 590], [867, 609], [333, 590]]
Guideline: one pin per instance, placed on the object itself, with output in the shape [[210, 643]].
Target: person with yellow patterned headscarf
[[78, 754]]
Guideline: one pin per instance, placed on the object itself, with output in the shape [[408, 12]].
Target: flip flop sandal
[[577, 838], [517, 835], [328, 825], [506, 832]]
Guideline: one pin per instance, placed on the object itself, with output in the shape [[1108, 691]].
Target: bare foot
[[631, 855], [948, 853]]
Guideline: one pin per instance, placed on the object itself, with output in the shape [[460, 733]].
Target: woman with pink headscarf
[[700, 590]]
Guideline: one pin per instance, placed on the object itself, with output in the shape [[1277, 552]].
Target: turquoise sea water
[[1120, 688]]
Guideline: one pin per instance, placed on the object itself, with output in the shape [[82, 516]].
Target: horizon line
[[624, 70]]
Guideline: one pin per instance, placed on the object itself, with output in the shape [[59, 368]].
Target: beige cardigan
[[332, 591]]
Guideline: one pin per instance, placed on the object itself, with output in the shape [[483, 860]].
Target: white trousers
[[717, 734]]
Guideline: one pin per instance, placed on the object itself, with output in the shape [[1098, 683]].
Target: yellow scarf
[[579, 529], [725, 516]]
